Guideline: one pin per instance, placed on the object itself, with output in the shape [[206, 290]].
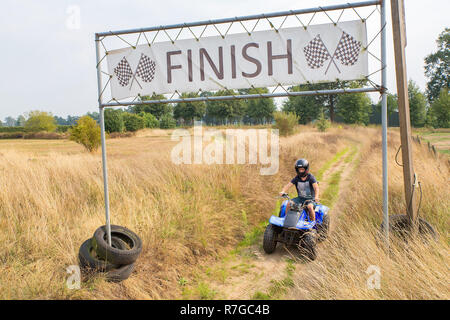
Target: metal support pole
[[102, 126], [384, 122]]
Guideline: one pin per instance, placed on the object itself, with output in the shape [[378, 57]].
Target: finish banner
[[291, 56]]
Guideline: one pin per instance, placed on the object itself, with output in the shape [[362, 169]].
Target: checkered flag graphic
[[146, 68], [347, 50], [123, 72], [316, 53]]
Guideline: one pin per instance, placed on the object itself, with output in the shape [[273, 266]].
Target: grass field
[[440, 138], [191, 217]]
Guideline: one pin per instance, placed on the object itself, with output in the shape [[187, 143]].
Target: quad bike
[[293, 227]]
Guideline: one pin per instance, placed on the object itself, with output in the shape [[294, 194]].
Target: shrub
[[13, 129], [44, 135], [114, 120], [133, 122], [114, 135], [167, 122], [322, 123], [150, 120], [11, 135], [285, 122], [40, 121], [86, 133]]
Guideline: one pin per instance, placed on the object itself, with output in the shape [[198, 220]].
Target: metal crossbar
[[249, 96], [245, 18]]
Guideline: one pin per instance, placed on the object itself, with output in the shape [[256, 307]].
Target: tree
[[307, 108], [259, 110], [354, 108], [167, 121], [60, 121], [189, 111], [10, 121], [150, 120], [87, 133], [94, 115], [133, 122], [437, 67], [225, 110], [417, 105], [114, 120], [285, 122], [392, 104], [440, 110], [40, 121], [157, 109], [20, 122], [322, 123], [310, 107]]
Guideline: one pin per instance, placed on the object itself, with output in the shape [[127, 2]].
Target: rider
[[307, 187]]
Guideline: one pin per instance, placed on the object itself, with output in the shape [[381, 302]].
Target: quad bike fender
[[301, 225]]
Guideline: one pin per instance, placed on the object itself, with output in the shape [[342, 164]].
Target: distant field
[[440, 138]]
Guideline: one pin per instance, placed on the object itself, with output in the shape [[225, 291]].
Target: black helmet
[[302, 163]]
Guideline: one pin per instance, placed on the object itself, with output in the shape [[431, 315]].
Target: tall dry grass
[[51, 200], [413, 270]]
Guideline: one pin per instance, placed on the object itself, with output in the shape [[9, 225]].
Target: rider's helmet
[[302, 163]]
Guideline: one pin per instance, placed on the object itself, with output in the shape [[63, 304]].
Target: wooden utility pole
[[399, 32]]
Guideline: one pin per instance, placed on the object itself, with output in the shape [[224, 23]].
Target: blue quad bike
[[293, 228]]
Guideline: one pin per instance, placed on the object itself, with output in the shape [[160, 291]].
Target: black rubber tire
[[120, 274], [398, 225], [115, 255], [269, 240], [89, 260], [308, 244], [323, 229]]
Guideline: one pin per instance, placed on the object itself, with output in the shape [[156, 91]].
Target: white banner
[[290, 56]]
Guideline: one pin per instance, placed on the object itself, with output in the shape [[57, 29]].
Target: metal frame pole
[[102, 126], [384, 121]]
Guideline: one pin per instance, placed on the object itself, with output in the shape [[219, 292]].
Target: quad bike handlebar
[[293, 204]]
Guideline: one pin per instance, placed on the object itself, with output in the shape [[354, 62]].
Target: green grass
[[278, 287], [329, 163], [205, 292], [251, 237], [351, 155], [330, 194]]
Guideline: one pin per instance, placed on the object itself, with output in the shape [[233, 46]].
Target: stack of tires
[[117, 260]]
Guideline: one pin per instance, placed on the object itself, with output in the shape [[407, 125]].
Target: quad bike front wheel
[[323, 229], [308, 244], [270, 239]]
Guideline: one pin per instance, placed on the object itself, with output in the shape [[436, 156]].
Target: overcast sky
[[48, 55]]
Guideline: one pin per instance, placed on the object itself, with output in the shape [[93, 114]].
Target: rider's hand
[[317, 200], [282, 193]]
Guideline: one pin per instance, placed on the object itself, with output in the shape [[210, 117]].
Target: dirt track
[[253, 272]]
